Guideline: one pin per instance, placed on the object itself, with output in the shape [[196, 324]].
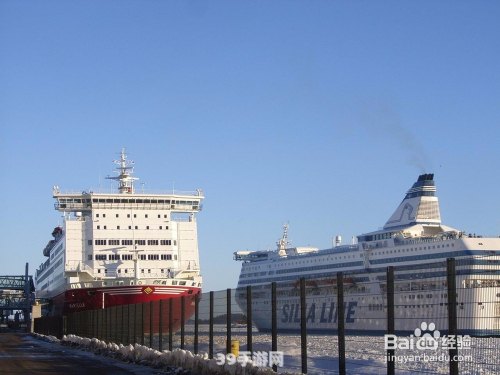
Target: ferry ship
[[125, 247], [414, 241]]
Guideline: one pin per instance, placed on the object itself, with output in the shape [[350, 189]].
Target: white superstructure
[[125, 239], [414, 241]]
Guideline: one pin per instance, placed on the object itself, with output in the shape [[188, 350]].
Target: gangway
[[16, 293]]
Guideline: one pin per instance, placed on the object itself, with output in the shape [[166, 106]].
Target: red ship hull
[[77, 300]]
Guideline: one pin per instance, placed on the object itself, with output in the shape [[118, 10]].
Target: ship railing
[[141, 191], [108, 282], [416, 241]]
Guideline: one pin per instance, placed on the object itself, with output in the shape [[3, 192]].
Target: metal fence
[[439, 317]]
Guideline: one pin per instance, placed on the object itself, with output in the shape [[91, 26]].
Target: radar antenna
[[125, 169]]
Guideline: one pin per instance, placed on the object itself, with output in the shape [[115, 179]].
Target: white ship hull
[[367, 314]]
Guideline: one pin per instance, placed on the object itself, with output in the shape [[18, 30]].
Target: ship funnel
[[419, 206]]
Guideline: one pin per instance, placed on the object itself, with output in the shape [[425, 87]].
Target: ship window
[[117, 227], [135, 215], [136, 227], [103, 215], [161, 227], [89, 242], [96, 215], [146, 216], [128, 215], [159, 216], [117, 215], [130, 227], [149, 271], [147, 227], [105, 227], [165, 216]]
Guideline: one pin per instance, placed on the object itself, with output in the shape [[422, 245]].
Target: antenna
[[125, 169]]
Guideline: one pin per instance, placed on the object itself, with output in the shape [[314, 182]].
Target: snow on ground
[[178, 362], [364, 355]]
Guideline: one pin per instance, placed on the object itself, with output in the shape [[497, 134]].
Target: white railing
[[138, 192]]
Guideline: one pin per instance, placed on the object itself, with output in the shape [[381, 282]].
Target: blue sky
[[316, 113]]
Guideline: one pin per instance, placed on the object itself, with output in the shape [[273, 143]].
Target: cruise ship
[[414, 241], [122, 247]]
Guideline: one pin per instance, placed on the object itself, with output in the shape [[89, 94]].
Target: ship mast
[[283, 241], [125, 169]]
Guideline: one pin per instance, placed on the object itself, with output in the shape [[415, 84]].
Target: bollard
[[235, 347]]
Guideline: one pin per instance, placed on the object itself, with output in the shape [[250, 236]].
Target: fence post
[[196, 313], [97, 321], [303, 327], [391, 365], [108, 324], [151, 317], [274, 323], [92, 322], [160, 326], [249, 319], [341, 322], [228, 321], [116, 335], [170, 324], [183, 306], [142, 322], [128, 324], [135, 323], [123, 325], [65, 325], [211, 328], [452, 312]]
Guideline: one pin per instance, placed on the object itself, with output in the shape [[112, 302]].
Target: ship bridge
[[127, 197], [80, 202]]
